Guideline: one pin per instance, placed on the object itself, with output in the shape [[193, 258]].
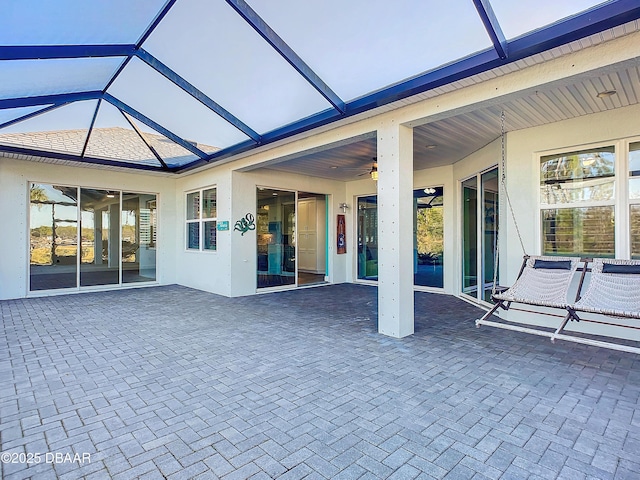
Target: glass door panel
[[115, 245], [312, 238], [428, 237], [479, 233], [53, 237], [99, 259], [489, 229], [470, 236], [276, 232], [368, 238], [138, 219]]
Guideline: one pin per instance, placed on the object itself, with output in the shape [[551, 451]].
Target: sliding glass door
[[428, 237], [53, 230], [480, 200], [99, 263], [85, 237], [368, 238], [276, 234], [138, 219]]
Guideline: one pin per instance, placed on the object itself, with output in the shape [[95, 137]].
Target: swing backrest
[[614, 288], [544, 281]]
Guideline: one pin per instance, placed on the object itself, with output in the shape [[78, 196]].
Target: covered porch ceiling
[[193, 82], [448, 140]]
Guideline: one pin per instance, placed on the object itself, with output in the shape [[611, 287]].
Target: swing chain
[[503, 185]]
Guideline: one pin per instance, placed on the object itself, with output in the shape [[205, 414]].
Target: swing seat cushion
[[623, 269], [552, 264]]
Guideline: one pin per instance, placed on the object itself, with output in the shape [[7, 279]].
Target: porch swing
[[545, 281]]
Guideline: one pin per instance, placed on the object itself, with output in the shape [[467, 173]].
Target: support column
[[395, 230]]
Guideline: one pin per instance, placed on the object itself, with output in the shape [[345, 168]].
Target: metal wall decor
[[245, 224], [342, 235]]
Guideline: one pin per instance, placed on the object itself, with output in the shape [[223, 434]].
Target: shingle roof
[[114, 143]]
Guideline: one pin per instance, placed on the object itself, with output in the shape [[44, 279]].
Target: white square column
[[395, 230]]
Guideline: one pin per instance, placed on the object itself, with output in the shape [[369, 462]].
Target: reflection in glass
[[53, 237], [99, 231], [138, 220], [193, 206], [209, 203], [193, 221], [635, 231], [585, 231], [312, 238], [209, 240], [368, 238], [275, 233], [470, 236], [489, 224], [193, 235], [428, 237], [583, 176], [634, 171], [634, 194]]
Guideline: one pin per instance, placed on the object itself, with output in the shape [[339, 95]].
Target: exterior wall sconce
[[344, 207], [374, 171]]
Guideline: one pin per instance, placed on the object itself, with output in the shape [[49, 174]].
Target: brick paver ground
[[170, 382]]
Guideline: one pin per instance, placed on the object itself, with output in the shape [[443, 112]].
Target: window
[[577, 197], [201, 220], [634, 198]]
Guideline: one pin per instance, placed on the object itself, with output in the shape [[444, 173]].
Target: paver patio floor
[[170, 382]]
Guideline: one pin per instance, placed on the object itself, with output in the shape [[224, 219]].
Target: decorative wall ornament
[[245, 224], [342, 235]]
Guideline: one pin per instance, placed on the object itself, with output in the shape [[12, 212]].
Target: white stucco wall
[[524, 148], [15, 176], [208, 270], [231, 269]]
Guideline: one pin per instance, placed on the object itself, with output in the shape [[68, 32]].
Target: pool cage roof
[[170, 85]]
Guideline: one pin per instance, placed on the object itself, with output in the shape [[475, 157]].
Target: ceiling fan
[[373, 173]]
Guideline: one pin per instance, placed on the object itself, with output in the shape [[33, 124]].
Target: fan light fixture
[[374, 170], [429, 191]]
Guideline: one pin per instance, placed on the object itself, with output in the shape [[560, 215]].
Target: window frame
[[201, 220], [629, 201], [78, 286], [427, 288], [620, 200]]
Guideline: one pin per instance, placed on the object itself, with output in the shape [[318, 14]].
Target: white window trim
[[621, 201], [200, 220]]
